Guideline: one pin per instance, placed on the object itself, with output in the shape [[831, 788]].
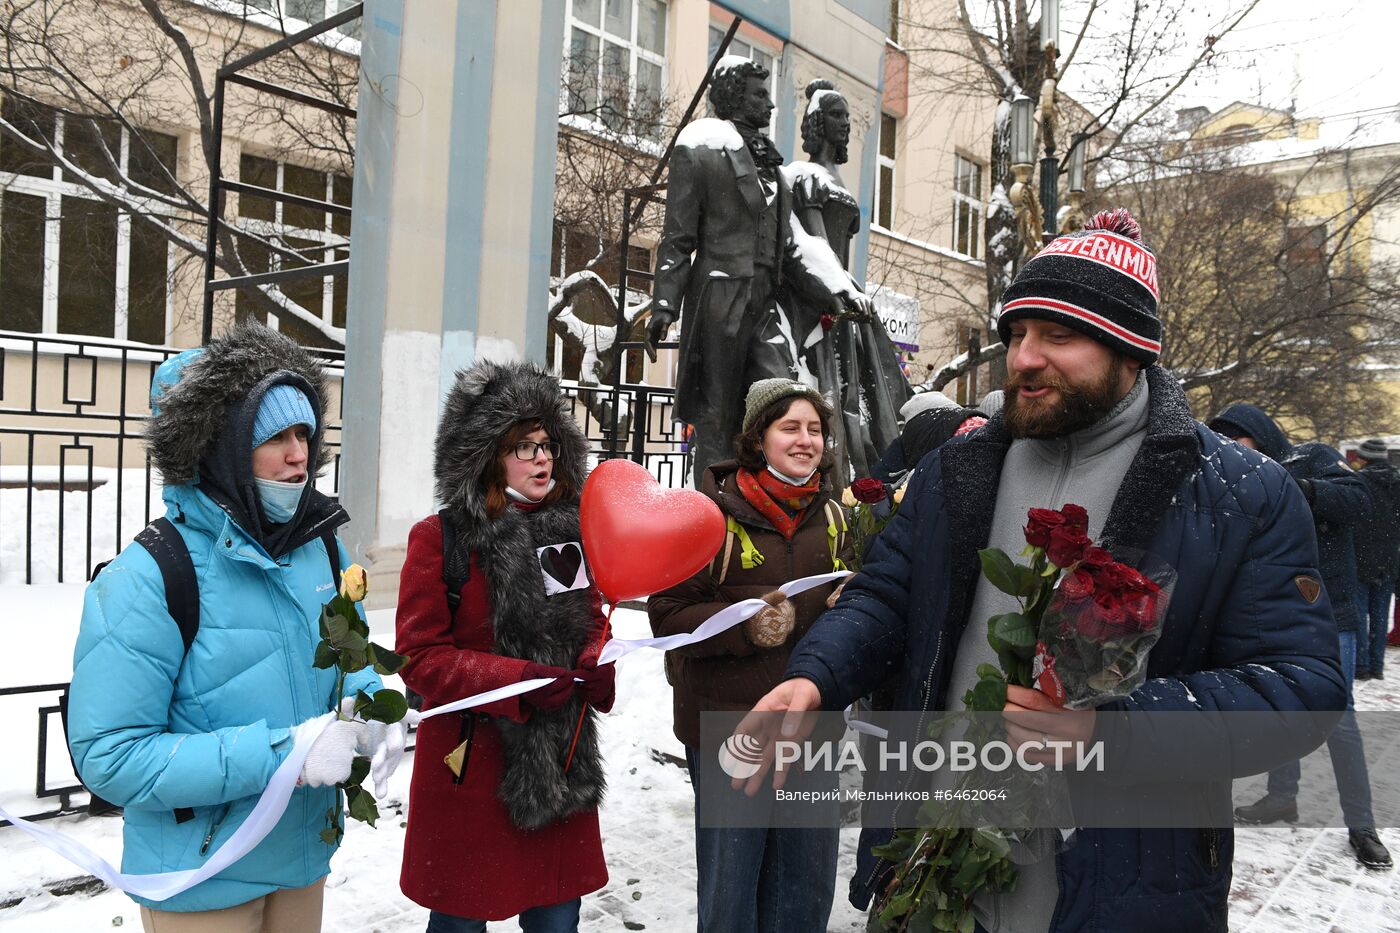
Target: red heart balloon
[[640, 538]]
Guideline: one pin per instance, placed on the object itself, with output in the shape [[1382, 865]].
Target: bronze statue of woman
[[854, 361]]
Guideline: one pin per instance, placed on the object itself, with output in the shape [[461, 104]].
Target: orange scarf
[[774, 498]]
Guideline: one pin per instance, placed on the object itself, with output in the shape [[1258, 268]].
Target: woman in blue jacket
[[186, 739]]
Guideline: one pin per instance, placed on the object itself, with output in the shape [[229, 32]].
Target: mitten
[[771, 625], [835, 595], [550, 697], [332, 753], [599, 684]]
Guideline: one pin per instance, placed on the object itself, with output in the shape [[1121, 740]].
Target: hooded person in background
[[187, 740], [1339, 500], [1377, 557], [1090, 420], [929, 420]]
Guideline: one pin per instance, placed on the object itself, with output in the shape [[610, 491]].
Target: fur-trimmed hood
[[485, 401], [191, 395]]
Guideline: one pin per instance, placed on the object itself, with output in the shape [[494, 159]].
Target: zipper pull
[[207, 839]]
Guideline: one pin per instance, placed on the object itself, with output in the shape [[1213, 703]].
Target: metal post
[[1049, 192], [216, 208]]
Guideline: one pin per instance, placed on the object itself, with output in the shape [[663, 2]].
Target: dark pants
[[1373, 611], [760, 880], [554, 918], [1347, 753]]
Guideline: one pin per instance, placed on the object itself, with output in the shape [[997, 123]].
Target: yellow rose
[[899, 495], [353, 583], [848, 498]]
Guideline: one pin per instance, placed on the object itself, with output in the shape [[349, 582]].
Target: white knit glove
[[383, 745], [332, 753]]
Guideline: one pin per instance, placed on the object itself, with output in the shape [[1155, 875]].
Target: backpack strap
[[836, 533], [333, 555], [456, 566], [172, 556]]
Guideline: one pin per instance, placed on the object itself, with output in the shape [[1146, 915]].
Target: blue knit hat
[[282, 406]]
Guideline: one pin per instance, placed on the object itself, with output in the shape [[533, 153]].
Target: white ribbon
[[273, 802], [163, 885]]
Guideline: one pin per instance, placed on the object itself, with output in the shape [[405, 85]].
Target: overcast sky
[[1330, 56]]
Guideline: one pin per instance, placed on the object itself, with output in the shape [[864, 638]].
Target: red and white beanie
[[1101, 281]]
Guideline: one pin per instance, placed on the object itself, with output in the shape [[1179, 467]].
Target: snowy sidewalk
[[1303, 880]]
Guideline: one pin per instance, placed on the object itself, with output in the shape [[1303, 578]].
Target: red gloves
[[553, 696], [599, 686]]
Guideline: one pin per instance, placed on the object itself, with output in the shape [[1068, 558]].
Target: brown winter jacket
[[727, 672]]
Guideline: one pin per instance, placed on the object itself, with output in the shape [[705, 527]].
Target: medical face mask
[[279, 500]]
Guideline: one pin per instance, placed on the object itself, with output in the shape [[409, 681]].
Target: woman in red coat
[[503, 806]]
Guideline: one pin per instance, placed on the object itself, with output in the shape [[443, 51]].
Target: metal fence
[[76, 483]]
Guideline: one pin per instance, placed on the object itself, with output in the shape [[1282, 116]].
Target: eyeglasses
[[529, 450]]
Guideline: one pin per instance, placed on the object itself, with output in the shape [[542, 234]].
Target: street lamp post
[[1037, 216]]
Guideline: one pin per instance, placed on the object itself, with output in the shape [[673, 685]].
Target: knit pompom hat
[[1100, 281], [765, 392]]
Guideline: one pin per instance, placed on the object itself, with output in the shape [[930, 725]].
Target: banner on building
[[900, 314]]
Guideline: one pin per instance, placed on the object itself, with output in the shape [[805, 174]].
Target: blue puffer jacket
[[154, 729], [1238, 532]]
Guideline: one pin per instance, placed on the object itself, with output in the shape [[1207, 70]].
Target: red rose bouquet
[[1082, 634]]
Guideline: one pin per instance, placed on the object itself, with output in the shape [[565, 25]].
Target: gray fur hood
[[191, 395], [485, 401]]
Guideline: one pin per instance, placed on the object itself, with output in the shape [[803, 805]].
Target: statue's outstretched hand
[[657, 327], [860, 305]]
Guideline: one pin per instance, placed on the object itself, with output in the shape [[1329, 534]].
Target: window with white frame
[[753, 53], [885, 172], [615, 66], [316, 236], [306, 12], [967, 207], [69, 261]]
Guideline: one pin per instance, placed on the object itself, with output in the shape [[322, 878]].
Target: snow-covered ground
[[1290, 879]]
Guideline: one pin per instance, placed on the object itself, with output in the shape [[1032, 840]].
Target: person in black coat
[[1339, 500], [1377, 557]]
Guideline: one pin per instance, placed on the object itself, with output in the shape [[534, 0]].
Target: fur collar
[[551, 630]]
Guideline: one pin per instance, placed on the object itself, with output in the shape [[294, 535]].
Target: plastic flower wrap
[[1102, 620]]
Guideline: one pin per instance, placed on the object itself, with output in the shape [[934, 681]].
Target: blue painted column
[[450, 238]]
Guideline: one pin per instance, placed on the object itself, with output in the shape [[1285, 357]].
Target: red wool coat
[[462, 854]]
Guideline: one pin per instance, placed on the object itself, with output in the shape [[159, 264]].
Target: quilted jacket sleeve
[[1272, 653], [125, 666], [437, 668]]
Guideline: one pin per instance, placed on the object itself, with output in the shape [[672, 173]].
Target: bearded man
[[1090, 419]]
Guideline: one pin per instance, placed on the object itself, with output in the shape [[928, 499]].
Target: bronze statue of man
[[728, 205]]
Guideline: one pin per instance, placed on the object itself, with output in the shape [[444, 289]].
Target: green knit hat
[[765, 392]]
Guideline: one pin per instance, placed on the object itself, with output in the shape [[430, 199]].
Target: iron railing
[[76, 482]]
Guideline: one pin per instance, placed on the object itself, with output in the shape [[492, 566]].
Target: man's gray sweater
[[1085, 468]]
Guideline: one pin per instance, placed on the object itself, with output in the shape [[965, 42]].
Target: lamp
[[1074, 213], [1050, 24], [1022, 130]]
